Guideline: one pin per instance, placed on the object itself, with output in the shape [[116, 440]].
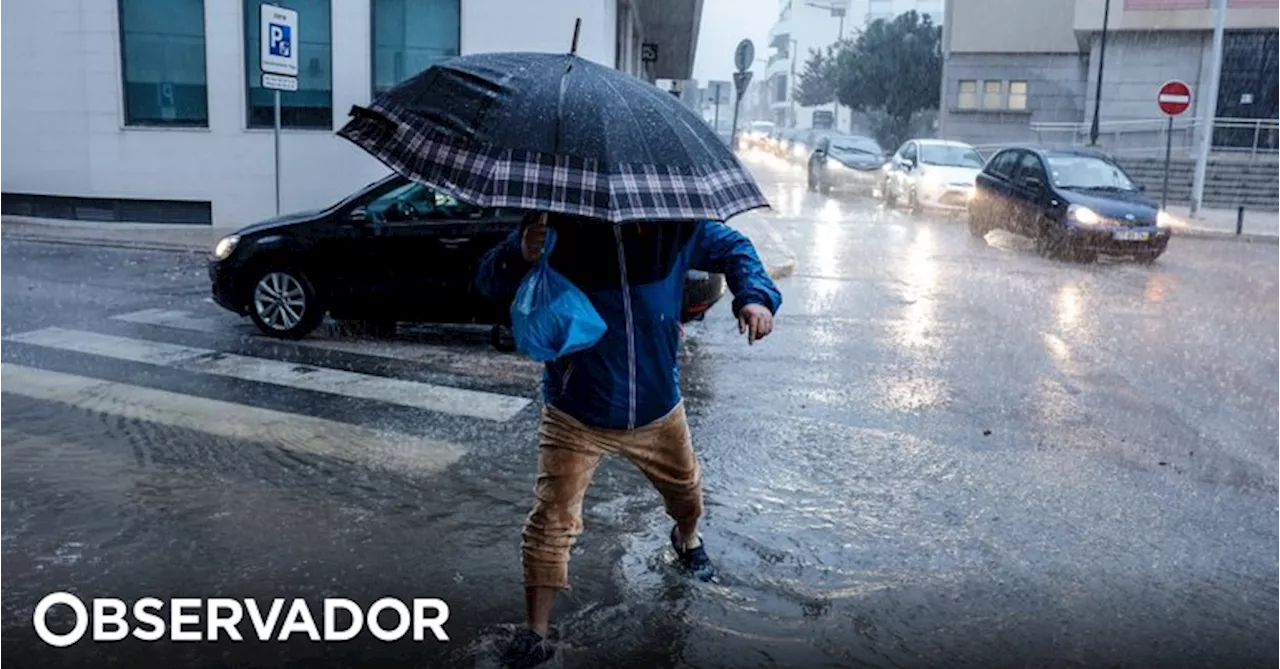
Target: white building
[[152, 110], [806, 25]]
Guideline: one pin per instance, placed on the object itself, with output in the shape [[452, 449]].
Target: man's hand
[[756, 321], [532, 238]]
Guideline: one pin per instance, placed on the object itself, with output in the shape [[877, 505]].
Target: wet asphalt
[[950, 453]]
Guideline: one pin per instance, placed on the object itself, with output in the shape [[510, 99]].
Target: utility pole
[[1210, 102], [1102, 58], [791, 83]]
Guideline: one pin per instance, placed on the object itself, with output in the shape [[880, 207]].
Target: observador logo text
[[223, 619]]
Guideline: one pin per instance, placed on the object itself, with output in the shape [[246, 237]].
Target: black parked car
[[394, 251], [1075, 202]]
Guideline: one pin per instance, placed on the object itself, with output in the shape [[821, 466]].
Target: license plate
[[1130, 236]]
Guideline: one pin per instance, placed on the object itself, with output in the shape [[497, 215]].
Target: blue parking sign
[[279, 31], [281, 40]]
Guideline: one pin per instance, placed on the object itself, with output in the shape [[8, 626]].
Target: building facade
[[153, 110], [1032, 75], [807, 25]]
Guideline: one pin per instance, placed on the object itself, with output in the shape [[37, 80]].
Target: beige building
[[1027, 71]]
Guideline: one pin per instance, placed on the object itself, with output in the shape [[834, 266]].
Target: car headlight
[[1083, 215], [225, 246], [1166, 220]]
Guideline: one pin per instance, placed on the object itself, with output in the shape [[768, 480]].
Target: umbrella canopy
[[554, 132]]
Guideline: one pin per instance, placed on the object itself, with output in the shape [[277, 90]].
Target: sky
[[724, 24]]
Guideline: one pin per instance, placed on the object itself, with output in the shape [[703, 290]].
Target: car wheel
[[913, 202], [978, 224], [1148, 258], [284, 304], [503, 339], [1048, 244], [1083, 257]]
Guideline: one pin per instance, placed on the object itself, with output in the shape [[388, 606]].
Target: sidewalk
[[1259, 225], [778, 259], [147, 236]]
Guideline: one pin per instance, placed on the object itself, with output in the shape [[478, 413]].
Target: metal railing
[[1139, 137]]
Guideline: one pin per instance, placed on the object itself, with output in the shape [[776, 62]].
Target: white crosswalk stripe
[[488, 362], [442, 399], [394, 451], [301, 431]]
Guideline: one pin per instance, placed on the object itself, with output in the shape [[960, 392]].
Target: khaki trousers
[[568, 455]]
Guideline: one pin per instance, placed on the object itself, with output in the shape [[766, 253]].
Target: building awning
[[672, 26]]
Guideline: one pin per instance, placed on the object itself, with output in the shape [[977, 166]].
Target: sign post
[[279, 65], [1173, 99], [743, 56]]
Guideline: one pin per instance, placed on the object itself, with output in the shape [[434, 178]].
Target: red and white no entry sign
[[1174, 97]]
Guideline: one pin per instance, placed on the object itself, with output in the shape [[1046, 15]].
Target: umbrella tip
[[577, 26]]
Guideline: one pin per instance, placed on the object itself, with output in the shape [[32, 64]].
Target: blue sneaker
[[695, 560], [527, 650]]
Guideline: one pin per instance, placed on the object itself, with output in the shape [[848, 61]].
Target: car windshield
[[1087, 173], [950, 155], [861, 145]]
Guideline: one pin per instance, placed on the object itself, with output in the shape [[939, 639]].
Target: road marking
[[486, 362], [381, 448], [170, 318], [456, 401]]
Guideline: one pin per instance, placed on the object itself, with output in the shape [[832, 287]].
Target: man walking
[[623, 394]]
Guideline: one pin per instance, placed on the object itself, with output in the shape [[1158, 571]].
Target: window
[[991, 94], [1030, 166], [414, 203], [1003, 164], [909, 153], [410, 36], [968, 95], [311, 106], [162, 58], [1017, 95]]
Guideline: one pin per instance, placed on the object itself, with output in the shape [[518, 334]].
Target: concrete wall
[[1173, 14], [1137, 63], [1011, 26], [64, 132], [1055, 93]]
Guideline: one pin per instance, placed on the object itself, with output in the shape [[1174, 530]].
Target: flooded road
[[951, 452]]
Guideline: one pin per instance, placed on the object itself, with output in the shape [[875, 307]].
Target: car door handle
[[455, 241]]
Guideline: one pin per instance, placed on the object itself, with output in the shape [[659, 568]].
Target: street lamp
[[1102, 57]]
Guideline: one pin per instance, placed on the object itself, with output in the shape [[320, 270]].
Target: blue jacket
[[634, 275]]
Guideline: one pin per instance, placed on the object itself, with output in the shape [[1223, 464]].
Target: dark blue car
[[1075, 203]]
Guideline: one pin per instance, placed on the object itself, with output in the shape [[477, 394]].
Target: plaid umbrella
[[554, 132]]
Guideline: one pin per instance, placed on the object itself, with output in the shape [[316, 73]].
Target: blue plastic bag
[[551, 317]]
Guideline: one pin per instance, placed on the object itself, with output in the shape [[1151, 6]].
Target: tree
[[816, 84], [891, 71]]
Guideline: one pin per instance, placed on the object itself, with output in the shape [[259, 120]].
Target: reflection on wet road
[[951, 452]]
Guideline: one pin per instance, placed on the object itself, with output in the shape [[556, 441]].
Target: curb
[[105, 243], [1223, 235]]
